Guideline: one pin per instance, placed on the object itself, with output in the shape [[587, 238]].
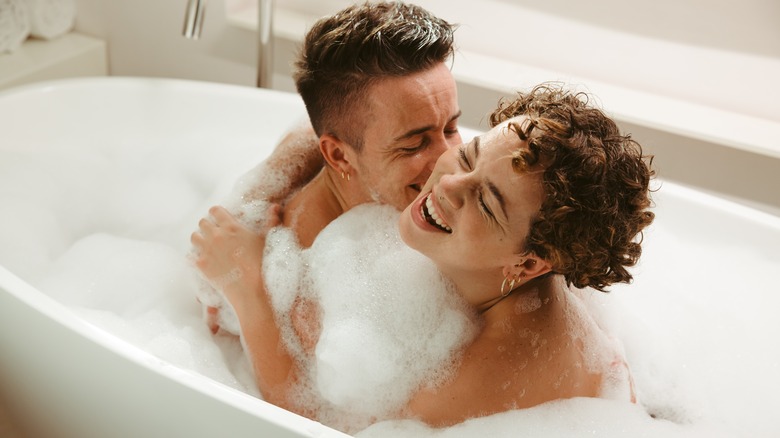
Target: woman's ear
[[337, 154], [527, 266]]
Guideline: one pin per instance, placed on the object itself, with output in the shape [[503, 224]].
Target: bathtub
[[698, 322], [61, 376]]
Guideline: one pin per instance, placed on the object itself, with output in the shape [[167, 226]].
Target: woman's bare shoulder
[[510, 367]]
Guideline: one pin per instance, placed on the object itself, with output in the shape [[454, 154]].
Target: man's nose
[[438, 146]]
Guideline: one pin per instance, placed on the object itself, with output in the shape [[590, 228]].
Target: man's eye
[[414, 149], [411, 150]]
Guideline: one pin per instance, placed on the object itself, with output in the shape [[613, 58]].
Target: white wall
[[715, 53], [144, 39]]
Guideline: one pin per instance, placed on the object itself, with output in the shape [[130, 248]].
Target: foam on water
[[390, 323], [386, 308], [698, 324], [252, 212]]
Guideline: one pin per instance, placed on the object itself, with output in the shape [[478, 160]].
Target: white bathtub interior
[[132, 164], [59, 374]]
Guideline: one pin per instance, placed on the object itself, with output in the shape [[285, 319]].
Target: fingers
[[220, 214], [205, 228], [212, 318], [220, 222], [207, 225], [273, 216]]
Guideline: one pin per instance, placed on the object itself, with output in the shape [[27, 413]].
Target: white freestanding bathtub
[[59, 375], [89, 166]]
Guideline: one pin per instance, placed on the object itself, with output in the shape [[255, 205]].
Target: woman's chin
[[405, 228]]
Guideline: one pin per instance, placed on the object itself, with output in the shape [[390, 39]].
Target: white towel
[[51, 18], [14, 24]]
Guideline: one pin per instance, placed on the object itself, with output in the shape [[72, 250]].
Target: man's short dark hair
[[344, 54]]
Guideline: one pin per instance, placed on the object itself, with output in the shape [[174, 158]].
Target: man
[[383, 105]]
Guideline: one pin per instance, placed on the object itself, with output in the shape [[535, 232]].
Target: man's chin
[[412, 193], [402, 200]]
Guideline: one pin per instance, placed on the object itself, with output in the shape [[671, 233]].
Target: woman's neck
[[485, 295]]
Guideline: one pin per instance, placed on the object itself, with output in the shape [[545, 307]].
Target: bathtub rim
[[54, 85], [29, 296], [711, 201]]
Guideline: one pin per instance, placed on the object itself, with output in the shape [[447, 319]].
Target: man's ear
[[527, 266], [337, 153]]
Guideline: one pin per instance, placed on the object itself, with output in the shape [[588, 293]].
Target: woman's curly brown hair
[[595, 180]]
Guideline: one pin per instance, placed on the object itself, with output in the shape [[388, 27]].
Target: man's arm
[[292, 164], [230, 256]]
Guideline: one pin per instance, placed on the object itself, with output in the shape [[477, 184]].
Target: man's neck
[[314, 207]]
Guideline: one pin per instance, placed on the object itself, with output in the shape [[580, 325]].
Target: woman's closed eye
[[483, 206], [466, 164], [464, 160]]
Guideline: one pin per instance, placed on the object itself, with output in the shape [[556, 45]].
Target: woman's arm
[[230, 257]]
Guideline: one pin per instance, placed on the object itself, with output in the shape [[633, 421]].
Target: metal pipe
[[193, 25], [265, 52], [193, 19]]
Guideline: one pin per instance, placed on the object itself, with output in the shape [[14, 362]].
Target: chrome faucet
[[193, 26], [193, 19]]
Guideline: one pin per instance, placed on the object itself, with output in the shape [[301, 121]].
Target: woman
[[553, 196]]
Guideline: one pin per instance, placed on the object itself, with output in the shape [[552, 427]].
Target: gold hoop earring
[[345, 175], [504, 294]]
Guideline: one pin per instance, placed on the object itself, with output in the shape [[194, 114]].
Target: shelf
[[673, 114], [662, 113], [71, 55]]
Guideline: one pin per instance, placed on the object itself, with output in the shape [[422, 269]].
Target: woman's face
[[475, 211]]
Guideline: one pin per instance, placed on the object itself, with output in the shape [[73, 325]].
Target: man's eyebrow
[[411, 133], [417, 131]]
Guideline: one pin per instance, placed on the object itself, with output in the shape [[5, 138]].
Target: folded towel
[[14, 24], [51, 18]]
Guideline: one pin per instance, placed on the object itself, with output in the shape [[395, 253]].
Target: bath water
[[107, 233]]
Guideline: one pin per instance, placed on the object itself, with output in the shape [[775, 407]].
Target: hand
[[226, 252], [211, 316]]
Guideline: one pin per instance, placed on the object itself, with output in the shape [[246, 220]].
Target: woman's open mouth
[[432, 217]]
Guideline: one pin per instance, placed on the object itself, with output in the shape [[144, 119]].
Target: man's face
[[411, 121]]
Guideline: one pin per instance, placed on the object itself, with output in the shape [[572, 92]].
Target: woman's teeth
[[432, 217]]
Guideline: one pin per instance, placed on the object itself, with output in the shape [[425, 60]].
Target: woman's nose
[[453, 188]]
